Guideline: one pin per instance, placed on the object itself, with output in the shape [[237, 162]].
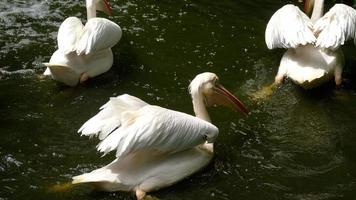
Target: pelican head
[[102, 5], [206, 86]]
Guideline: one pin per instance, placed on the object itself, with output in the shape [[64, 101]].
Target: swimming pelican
[[155, 147], [84, 51], [313, 55]]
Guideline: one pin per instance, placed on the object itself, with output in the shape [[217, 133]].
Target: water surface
[[296, 144]]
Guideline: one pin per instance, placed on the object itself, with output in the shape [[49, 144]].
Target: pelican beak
[[308, 6], [221, 96], [106, 7]]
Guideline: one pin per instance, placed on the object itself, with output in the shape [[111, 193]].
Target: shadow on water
[[124, 62]]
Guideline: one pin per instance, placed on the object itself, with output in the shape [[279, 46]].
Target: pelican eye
[[216, 81]]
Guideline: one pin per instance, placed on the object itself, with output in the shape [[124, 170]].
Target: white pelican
[[155, 147], [84, 51], [313, 55]]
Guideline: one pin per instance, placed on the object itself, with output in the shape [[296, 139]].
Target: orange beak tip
[[245, 111]]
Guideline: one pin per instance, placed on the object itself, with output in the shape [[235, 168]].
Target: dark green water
[[294, 145]]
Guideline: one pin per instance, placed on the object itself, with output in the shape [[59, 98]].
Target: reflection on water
[[295, 144]]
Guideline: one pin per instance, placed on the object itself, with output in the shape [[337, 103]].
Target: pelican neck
[[200, 108], [318, 10], [91, 9]]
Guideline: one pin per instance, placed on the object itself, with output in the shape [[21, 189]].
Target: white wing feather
[[68, 33], [336, 27], [128, 124], [288, 28], [109, 118], [98, 34], [159, 129]]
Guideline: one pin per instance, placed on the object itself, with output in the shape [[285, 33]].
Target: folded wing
[[146, 127], [109, 118], [158, 129], [98, 34], [288, 28], [68, 34]]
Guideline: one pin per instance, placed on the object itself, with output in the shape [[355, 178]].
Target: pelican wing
[[109, 118], [98, 34], [68, 33], [288, 28], [336, 26], [153, 128]]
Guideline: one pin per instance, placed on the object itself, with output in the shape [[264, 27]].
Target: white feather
[[154, 127], [313, 56], [98, 34], [86, 50], [68, 33], [289, 27], [109, 118], [128, 125], [336, 27]]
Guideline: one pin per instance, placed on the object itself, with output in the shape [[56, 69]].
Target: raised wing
[[68, 33], [98, 34], [336, 27], [109, 118], [288, 28], [158, 129]]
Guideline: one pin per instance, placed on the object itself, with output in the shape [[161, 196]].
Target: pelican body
[[310, 67], [155, 147], [84, 51], [313, 56]]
